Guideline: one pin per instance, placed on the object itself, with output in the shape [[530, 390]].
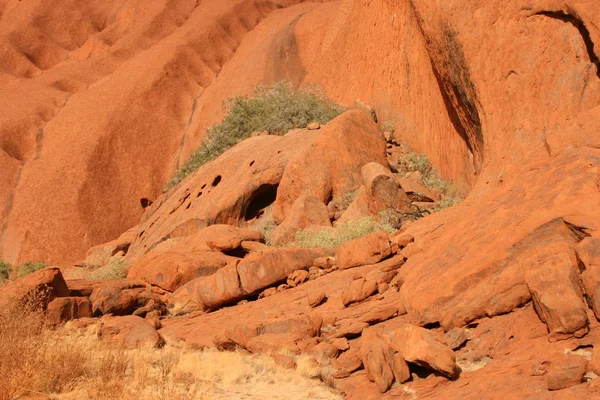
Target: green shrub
[[333, 238], [28, 267], [343, 202], [117, 268], [5, 269], [388, 126], [276, 108], [413, 162]]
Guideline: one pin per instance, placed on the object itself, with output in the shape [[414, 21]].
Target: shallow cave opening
[[262, 198]]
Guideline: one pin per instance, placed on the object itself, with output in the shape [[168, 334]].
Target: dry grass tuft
[[72, 364]]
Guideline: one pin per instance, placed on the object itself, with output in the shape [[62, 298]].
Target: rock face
[[70, 73]]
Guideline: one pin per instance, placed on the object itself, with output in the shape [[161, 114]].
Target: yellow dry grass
[[72, 364]]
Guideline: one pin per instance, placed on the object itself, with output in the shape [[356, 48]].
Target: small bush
[[388, 126], [5, 269], [343, 202], [117, 268], [333, 238], [277, 109], [413, 162], [28, 267]]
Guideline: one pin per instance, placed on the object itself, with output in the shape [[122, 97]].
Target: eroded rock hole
[[145, 202], [262, 198], [216, 181], [251, 163]]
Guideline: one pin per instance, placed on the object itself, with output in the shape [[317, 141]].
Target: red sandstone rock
[[129, 331], [43, 285], [64, 309], [377, 357], [100, 254], [171, 270], [306, 211], [330, 166], [418, 345], [567, 372], [365, 250], [359, 290], [556, 293], [240, 279]]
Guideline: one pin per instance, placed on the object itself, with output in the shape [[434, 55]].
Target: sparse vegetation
[[72, 363], [28, 267], [277, 109], [5, 269], [388, 126], [117, 268], [343, 202], [415, 162], [334, 237]]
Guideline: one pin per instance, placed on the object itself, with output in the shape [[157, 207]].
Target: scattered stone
[[455, 338], [379, 314], [313, 126], [267, 293], [316, 298], [297, 277]]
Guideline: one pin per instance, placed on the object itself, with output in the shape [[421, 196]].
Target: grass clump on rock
[[415, 162], [334, 237], [5, 269], [276, 109]]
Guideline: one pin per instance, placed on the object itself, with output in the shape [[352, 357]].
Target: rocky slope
[[496, 297]]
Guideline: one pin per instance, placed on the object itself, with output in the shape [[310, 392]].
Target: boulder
[[63, 309], [566, 372], [219, 238], [100, 254], [316, 298], [382, 189], [118, 300], [557, 297], [330, 165], [271, 335], [588, 251], [358, 291], [297, 277], [260, 270], [170, 270], [368, 249], [129, 331], [377, 357], [41, 286], [243, 278], [419, 346], [306, 211], [416, 191], [346, 363]]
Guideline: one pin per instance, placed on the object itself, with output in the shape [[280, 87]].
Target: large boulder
[[41, 287], [170, 270], [129, 332], [418, 345], [242, 278], [557, 297], [331, 165]]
